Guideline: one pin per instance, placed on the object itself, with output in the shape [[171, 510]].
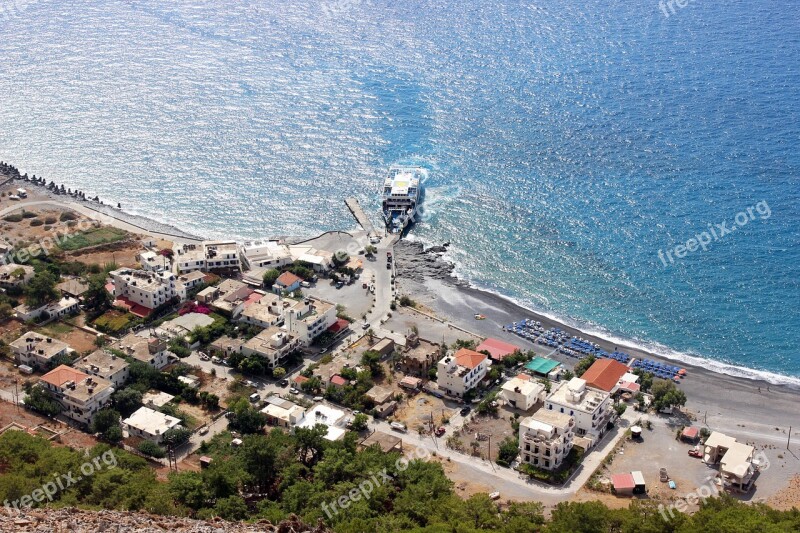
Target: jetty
[[361, 217]]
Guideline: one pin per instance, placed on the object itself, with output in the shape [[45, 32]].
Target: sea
[[631, 167]]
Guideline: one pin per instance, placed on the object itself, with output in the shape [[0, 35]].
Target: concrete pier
[[361, 217]]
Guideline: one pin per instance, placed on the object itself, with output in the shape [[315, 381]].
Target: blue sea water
[[568, 142]]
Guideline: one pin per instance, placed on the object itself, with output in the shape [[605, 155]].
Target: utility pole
[[788, 440]]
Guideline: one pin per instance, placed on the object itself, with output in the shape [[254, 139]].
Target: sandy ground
[[753, 411]]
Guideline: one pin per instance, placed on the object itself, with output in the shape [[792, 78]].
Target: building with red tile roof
[[497, 349], [605, 374], [462, 371]]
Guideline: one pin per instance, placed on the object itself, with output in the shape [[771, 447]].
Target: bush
[[67, 216], [36, 222], [152, 449], [406, 301], [13, 218], [50, 219], [28, 214]]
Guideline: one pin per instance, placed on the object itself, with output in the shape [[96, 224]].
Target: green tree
[[127, 400], [106, 421], [41, 289], [177, 436], [270, 276], [360, 422], [97, 300], [152, 449], [310, 443], [508, 451], [583, 365], [39, 399], [279, 372], [666, 394], [232, 508], [188, 488], [372, 359]]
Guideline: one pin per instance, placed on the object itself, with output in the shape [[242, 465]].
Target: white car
[[294, 391]]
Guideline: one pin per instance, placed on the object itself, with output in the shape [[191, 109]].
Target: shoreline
[[431, 281], [722, 399]]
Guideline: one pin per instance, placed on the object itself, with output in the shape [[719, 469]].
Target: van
[[397, 426], [254, 397], [25, 369], [318, 398], [305, 284]]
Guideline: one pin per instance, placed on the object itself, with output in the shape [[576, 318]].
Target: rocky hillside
[[79, 521]]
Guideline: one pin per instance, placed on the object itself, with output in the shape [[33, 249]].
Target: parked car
[[494, 495], [251, 384], [203, 430], [204, 357], [339, 284], [255, 397], [695, 453], [294, 391], [464, 411], [388, 266], [216, 360], [440, 431], [365, 325], [284, 383], [318, 398], [397, 426]]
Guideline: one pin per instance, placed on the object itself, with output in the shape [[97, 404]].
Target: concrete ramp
[[361, 217]]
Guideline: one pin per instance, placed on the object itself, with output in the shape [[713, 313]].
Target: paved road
[[508, 482]]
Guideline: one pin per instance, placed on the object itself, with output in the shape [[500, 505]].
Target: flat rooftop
[[42, 346], [152, 422], [102, 363], [577, 396]]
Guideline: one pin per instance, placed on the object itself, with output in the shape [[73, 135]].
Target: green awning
[[541, 365]]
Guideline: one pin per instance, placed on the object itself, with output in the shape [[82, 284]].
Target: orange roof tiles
[[604, 374], [287, 279], [469, 358], [63, 373]]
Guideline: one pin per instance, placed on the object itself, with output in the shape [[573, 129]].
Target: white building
[[545, 439], [36, 350], [265, 254], [272, 344], [308, 318], [148, 289], [459, 373], [190, 258], [332, 418], [266, 312], [186, 282], [283, 413], [14, 275], [222, 256], [522, 392], [81, 395], [105, 365], [154, 262], [230, 296], [54, 310], [591, 408], [146, 348], [320, 260], [149, 424], [736, 460]]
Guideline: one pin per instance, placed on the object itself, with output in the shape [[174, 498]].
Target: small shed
[[638, 482], [623, 484], [410, 382], [205, 461], [690, 434], [384, 346]]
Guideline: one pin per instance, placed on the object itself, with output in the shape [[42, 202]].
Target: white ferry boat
[[401, 194]]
